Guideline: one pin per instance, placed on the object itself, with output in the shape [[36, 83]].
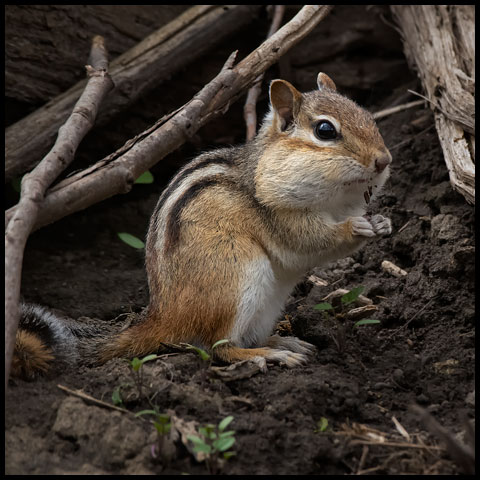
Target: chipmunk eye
[[324, 130]]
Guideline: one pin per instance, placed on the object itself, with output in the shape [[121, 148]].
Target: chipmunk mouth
[[368, 193]]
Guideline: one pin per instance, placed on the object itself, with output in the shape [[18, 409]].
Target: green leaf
[[131, 240], [220, 342], [352, 295], [322, 424], [323, 306], [208, 431], [162, 427], [146, 412], [366, 321], [202, 447], [199, 444], [201, 353], [195, 439], [227, 455], [145, 177], [136, 364], [163, 418], [223, 444], [116, 396], [225, 423], [148, 358]]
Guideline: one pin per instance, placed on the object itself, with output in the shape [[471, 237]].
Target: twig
[[416, 314], [249, 110], [361, 463], [88, 398], [395, 444], [118, 174], [399, 108], [35, 184], [463, 455]]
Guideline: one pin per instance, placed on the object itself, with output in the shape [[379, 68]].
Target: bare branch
[[35, 184], [249, 110]]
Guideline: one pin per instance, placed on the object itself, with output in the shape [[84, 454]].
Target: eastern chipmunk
[[237, 228]]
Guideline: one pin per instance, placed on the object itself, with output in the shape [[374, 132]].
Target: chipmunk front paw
[[381, 225], [362, 227]]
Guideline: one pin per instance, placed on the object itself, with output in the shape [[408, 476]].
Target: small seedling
[[204, 355], [117, 396], [163, 426], [330, 311], [322, 425], [136, 365], [214, 442]]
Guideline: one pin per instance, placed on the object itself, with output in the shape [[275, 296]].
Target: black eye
[[324, 130]]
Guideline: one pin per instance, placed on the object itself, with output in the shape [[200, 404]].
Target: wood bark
[[116, 173], [249, 109], [134, 73], [439, 42], [35, 184]]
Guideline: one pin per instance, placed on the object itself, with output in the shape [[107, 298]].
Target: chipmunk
[[237, 228]]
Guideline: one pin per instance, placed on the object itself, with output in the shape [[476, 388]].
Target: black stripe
[[172, 230], [181, 176]]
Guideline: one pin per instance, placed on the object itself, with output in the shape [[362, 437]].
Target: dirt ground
[[340, 414]]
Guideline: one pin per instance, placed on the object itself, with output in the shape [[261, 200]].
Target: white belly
[[262, 298]]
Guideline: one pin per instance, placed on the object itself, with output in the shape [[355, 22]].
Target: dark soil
[[422, 352]]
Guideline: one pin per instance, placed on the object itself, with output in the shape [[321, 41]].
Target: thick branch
[[116, 173], [438, 42], [137, 71], [35, 184]]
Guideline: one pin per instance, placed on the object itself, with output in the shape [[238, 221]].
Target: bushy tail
[[47, 341], [31, 356]]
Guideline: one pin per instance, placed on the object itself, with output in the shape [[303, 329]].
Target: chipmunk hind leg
[[260, 356], [293, 344], [137, 341]]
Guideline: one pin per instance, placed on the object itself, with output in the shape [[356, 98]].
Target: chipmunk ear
[[286, 101], [324, 81]]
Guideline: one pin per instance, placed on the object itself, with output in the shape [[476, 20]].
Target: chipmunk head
[[321, 151]]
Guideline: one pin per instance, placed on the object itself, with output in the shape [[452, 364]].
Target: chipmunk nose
[[382, 161]]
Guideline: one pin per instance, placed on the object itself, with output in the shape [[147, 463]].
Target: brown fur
[[31, 356], [221, 223]]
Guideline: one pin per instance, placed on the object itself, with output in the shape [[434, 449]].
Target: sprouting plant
[[162, 423], [203, 354], [322, 425], [214, 442], [136, 365], [117, 396], [338, 313]]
